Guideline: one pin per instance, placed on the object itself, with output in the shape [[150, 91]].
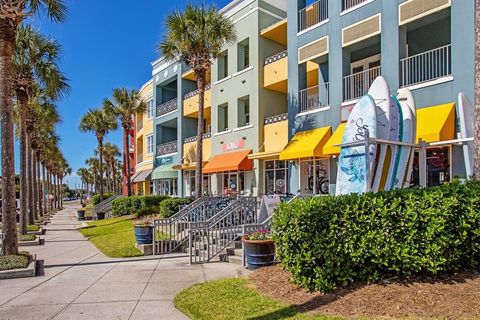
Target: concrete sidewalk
[[79, 282]]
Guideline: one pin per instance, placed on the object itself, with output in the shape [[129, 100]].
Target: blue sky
[[106, 44]]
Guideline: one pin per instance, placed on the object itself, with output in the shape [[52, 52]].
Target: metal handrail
[[312, 14], [276, 57], [356, 85], [347, 4], [314, 97], [426, 66]]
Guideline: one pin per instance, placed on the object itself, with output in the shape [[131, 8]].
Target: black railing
[[167, 148], [194, 138], [167, 107]]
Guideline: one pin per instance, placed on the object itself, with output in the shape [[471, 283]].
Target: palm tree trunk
[[81, 192], [39, 188], [22, 101], [100, 149], [50, 192], [31, 217], [114, 177], [127, 161], [476, 165], [9, 215], [200, 131], [44, 180], [35, 184]]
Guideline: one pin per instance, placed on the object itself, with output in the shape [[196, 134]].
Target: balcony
[[348, 4], [312, 15], [190, 148], [167, 148], [167, 107], [357, 85], [314, 98], [276, 72], [427, 66], [191, 101]]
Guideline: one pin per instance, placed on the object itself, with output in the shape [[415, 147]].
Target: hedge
[[171, 206], [96, 199], [330, 241], [130, 205]]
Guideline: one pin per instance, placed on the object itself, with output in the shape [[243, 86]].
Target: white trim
[[426, 13], [222, 80], [166, 114], [379, 15], [242, 71], [313, 111], [349, 102], [317, 55], [167, 155], [146, 85], [229, 11], [141, 164], [356, 7], [271, 13], [430, 83], [222, 133], [245, 15], [243, 128], [321, 23]]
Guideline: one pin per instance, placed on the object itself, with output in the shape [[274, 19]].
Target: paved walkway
[[79, 282]]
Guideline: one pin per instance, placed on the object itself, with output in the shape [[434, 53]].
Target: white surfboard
[[352, 176], [396, 132], [405, 96], [380, 93], [466, 116]]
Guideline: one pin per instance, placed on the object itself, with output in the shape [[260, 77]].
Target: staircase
[[106, 206]]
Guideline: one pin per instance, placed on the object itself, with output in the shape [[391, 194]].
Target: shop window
[[438, 166], [244, 111], [223, 117], [234, 183], [222, 65], [150, 144], [243, 52], [276, 175], [150, 109], [314, 176], [189, 179]]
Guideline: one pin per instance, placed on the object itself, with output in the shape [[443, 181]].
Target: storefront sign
[[164, 161], [268, 205], [231, 146]]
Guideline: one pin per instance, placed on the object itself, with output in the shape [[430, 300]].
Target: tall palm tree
[[100, 122], [111, 152], [93, 167], [197, 36], [124, 105], [476, 166], [83, 174], [12, 13]]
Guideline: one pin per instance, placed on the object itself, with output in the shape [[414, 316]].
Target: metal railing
[[357, 85], [106, 205], [312, 14], [347, 4], [167, 107], [172, 233], [276, 57], [207, 239], [426, 66], [276, 118], [207, 135], [195, 92], [314, 97], [167, 148]]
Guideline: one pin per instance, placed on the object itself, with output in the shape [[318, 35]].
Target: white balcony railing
[[314, 98], [356, 85], [312, 14], [347, 4], [426, 66]]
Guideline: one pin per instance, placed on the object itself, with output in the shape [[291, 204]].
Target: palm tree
[[111, 152], [197, 36], [93, 166], [476, 166], [124, 105], [12, 13], [83, 174], [100, 122]]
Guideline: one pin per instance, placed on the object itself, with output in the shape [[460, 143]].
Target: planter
[[144, 234], [80, 214], [100, 215], [259, 253]]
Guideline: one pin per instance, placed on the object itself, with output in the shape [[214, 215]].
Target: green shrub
[[130, 205], [33, 228], [171, 206], [96, 199], [26, 237], [329, 241], [14, 261], [148, 211]]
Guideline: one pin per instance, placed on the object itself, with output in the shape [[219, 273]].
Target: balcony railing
[[167, 107], [356, 85], [313, 14], [195, 92], [347, 4], [276, 57], [167, 148], [276, 118], [426, 66], [314, 98], [194, 138]]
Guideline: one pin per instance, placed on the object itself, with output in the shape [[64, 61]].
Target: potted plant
[[259, 249], [81, 214], [100, 215], [143, 232]]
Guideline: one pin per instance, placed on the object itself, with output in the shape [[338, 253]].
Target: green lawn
[[114, 237], [233, 299]]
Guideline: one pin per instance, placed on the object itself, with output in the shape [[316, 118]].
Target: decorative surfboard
[[380, 93], [465, 115], [352, 176], [396, 132], [405, 97]]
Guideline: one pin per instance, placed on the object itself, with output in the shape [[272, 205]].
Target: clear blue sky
[[106, 44]]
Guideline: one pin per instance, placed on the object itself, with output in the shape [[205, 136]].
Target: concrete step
[[235, 260], [234, 252]]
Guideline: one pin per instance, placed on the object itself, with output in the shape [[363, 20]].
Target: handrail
[[357, 84], [347, 4], [315, 97], [312, 14], [167, 107]]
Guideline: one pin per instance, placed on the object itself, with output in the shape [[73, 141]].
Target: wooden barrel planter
[[144, 234], [259, 253], [100, 215], [80, 215]]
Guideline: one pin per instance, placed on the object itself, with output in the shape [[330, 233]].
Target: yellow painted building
[[144, 147]]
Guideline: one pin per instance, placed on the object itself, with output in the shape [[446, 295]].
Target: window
[[223, 117], [223, 65], [314, 176], [243, 53], [150, 109], [244, 111], [276, 177], [150, 144]]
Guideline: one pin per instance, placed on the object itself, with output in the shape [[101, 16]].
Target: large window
[[167, 187], [150, 109], [223, 65], [314, 176], [438, 166], [150, 144], [189, 182], [244, 111], [276, 177], [223, 117], [243, 52], [233, 182]]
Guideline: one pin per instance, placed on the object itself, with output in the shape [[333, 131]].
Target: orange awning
[[231, 161]]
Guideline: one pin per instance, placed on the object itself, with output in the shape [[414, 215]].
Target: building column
[[393, 45]]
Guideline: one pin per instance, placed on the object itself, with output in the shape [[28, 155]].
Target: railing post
[[189, 245]]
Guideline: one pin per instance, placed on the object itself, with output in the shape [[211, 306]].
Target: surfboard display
[[396, 132], [405, 97], [466, 112], [380, 93], [352, 174]]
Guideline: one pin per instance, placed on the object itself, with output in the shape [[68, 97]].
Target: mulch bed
[[447, 297]]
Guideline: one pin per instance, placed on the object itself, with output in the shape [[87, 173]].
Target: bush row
[[96, 199], [330, 241], [171, 206], [130, 205]]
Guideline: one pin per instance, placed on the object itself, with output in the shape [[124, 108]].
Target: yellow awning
[[307, 144], [330, 147], [264, 155], [436, 123]]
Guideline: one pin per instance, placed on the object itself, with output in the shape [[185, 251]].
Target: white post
[[367, 161]]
